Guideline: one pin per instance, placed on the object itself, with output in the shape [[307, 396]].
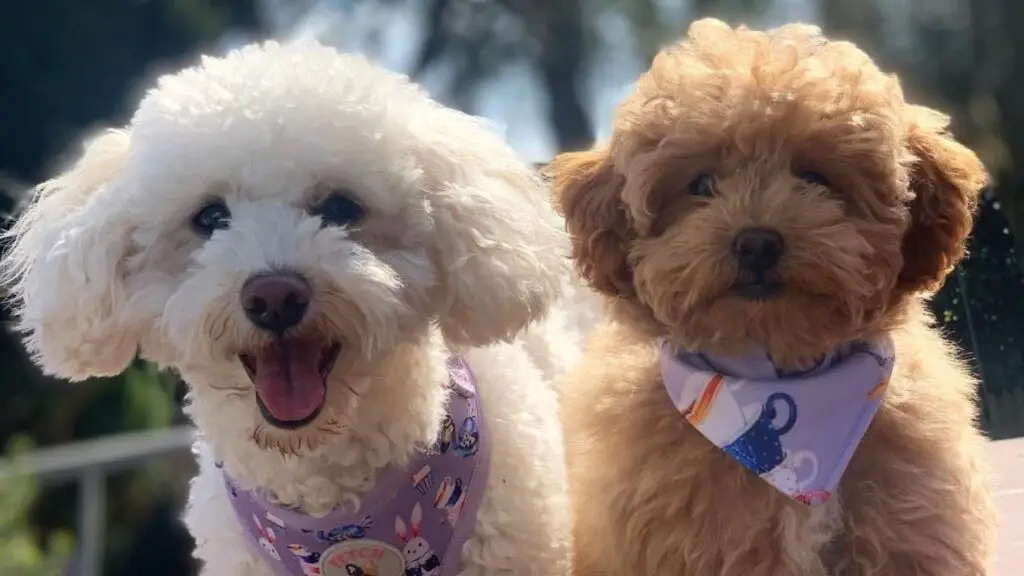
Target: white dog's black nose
[[276, 301], [757, 250]]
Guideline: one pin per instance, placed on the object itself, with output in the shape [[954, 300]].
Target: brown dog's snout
[[276, 301], [758, 250]]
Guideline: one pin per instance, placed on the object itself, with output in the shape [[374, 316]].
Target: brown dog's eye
[[703, 186], [816, 179]]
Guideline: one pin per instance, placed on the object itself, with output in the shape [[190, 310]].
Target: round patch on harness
[[362, 558]]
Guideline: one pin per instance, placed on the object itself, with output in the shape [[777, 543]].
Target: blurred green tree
[[22, 550]]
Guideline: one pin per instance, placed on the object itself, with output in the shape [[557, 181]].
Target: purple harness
[[797, 431], [414, 521]]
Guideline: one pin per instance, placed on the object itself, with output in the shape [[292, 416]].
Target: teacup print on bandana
[[797, 431]]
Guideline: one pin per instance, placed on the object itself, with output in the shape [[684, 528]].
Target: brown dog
[[867, 202]]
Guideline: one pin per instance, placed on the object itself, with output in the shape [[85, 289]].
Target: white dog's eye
[[214, 215], [703, 186], [338, 210]]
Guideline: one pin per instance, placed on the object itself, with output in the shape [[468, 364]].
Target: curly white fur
[[459, 251]]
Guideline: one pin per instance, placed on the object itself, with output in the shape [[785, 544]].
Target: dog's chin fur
[[457, 251], [873, 200]]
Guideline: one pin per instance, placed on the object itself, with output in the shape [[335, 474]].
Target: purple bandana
[[412, 523], [797, 431]]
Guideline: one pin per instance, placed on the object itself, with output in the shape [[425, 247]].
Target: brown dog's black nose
[[276, 301], [757, 249]]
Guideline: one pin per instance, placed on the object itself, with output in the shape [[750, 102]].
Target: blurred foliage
[[980, 307], [22, 550]]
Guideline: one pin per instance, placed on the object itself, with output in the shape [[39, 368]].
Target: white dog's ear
[[502, 249], [64, 270]]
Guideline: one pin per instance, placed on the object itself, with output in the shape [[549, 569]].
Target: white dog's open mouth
[[290, 377]]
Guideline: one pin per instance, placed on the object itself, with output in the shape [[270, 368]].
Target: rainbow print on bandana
[[698, 411]]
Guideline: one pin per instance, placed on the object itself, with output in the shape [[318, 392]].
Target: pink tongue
[[288, 380]]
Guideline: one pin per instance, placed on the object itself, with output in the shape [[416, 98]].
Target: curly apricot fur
[[756, 111]]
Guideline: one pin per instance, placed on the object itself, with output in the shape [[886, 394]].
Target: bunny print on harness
[[414, 521], [797, 431]]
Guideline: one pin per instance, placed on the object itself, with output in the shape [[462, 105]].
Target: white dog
[[308, 239]]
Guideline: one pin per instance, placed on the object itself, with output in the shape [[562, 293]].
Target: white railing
[[88, 463]]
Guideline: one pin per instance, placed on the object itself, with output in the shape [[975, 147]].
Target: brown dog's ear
[[946, 179], [586, 191]]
